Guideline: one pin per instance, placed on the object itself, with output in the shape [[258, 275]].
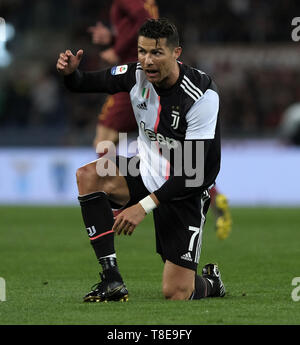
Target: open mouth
[[151, 73]]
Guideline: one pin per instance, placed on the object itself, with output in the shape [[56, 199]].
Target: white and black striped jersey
[[167, 119]]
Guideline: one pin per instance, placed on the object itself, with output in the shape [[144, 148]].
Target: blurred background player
[[126, 17]]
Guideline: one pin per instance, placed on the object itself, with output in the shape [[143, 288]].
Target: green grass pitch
[[48, 265]]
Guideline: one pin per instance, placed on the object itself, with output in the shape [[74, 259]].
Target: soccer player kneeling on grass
[[176, 109]]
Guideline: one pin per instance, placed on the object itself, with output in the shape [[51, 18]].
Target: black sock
[[112, 274], [203, 288], [98, 219], [110, 269]]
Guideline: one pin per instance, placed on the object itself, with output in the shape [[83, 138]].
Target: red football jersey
[[126, 17]]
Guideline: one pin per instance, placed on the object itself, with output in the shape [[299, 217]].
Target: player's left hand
[[109, 56], [127, 221]]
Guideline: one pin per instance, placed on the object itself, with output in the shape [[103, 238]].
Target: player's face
[[158, 61]]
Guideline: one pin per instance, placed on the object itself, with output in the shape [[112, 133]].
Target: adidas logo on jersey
[[142, 106], [187, 257]]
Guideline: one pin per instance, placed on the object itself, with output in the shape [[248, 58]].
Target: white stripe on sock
[[109, 256]]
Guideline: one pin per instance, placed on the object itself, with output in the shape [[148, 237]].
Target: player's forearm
[[72, 81], [149, 203], [175, 188], [195, 174], [80, 81]]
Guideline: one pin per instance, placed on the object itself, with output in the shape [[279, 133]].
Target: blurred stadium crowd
[[245, 45]]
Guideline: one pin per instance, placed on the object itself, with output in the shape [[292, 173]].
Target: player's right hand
[[67, 63]]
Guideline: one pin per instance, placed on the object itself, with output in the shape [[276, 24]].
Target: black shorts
[[178, 229], [137, 189], [178, 224]]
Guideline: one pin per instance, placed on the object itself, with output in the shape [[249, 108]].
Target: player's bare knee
[[87, 178], [83, 174]]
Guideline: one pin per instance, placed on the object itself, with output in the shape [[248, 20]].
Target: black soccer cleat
[[106, 291], [211, 271]]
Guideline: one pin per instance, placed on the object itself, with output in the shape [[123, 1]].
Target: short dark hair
[[160, 28]]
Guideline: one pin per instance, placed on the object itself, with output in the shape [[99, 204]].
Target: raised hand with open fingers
[[67, 63]]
